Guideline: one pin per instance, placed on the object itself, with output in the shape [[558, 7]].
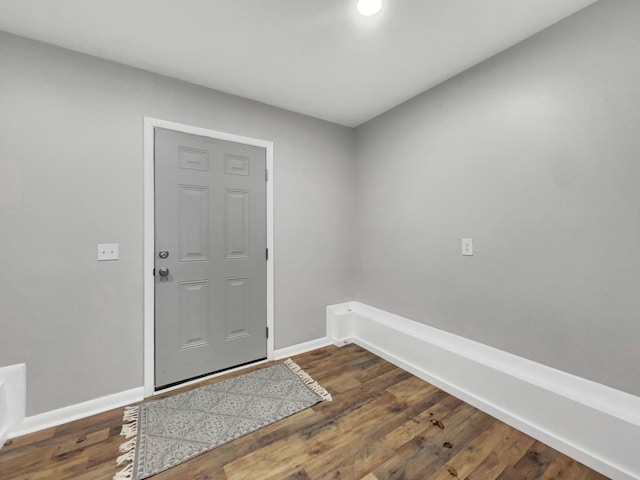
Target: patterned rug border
[[128, 449]]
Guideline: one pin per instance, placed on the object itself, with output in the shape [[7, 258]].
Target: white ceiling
[[317, 57]]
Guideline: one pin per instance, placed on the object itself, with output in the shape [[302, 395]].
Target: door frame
[[149, 238]]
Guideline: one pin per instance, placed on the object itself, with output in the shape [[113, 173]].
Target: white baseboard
[[74, 412], [12, 398], [592, 423], [302, 348]]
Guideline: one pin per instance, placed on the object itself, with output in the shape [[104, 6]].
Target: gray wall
[[535, 154], [71, 175]]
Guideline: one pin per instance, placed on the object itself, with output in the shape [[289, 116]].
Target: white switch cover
[[467, 246], [108, 251]]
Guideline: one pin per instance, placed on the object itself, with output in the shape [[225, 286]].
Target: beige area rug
[[164, 433]]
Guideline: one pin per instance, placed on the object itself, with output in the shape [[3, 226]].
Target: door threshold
[[206, 376]]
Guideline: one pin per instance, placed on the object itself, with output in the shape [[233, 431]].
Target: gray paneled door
[[210, 255]]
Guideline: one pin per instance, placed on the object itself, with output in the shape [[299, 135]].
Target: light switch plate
[[108, 251], [467, 246]]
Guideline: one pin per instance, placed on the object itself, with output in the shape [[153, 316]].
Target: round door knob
[[163, 272]]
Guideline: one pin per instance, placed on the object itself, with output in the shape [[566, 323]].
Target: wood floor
[[383, 424]]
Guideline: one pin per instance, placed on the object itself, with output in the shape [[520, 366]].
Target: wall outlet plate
[[467, 246], [108, 251]]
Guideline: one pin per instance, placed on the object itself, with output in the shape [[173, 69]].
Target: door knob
[[163, 253], [163, 272]]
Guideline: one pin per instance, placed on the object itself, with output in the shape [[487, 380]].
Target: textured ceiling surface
[[316, 57]]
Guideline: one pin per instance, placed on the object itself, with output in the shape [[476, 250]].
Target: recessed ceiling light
[[369, 7]]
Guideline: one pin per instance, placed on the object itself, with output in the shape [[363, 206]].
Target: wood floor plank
[[333, 450], [426, 449], [533, 463], [370, 444], [508, 451], [490, 468], [437, 455], [478, 449], [383, 424], [559, 467]]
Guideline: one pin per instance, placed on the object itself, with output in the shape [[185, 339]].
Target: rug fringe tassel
[[308, 380], [126, 457], [130, 414], [129, 430], [130, 420], [125, 474], [128, 448]]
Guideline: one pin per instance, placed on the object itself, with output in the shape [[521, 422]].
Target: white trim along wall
[[13, 388], [149, 230], [592, 423], [77, 411]]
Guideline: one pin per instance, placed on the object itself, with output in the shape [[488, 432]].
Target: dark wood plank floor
[[383, 424]]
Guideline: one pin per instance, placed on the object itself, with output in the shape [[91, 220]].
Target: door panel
[[193, 313], [236, 224], [210, 204], [236, 304], [193, 220]]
